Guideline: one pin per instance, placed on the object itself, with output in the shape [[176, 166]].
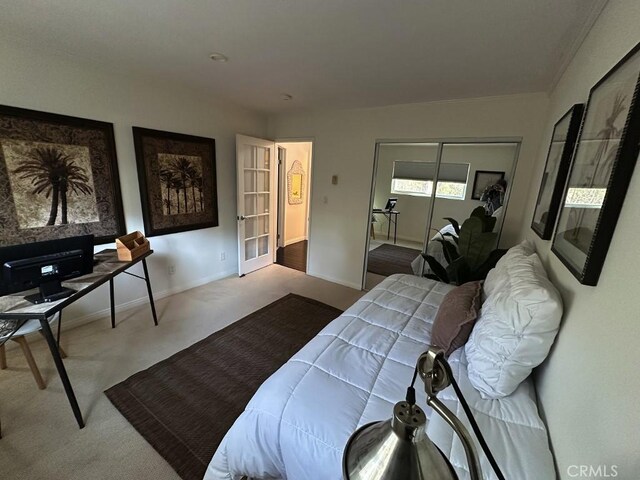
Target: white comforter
[[352, 373]]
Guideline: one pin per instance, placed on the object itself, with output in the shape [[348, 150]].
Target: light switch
[[334, 180]]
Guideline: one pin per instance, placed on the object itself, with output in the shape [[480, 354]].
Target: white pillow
[[513, 255], [517, 325]]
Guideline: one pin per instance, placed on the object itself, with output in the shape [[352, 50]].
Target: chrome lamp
[[399, 449]]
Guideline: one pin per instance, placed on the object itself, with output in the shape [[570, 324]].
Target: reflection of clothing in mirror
[[493, 196]]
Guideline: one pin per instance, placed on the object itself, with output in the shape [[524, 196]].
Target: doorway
[[294, 200], [273, 202]]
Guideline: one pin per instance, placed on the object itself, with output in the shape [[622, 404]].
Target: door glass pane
[[263, 182], [250, 157], [250, 227], [263, 224], [250, 249], [265, 159], [263, 245], [250, 180], [263, 203], [249, 204]]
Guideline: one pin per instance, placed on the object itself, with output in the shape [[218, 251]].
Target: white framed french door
[[256, 204]]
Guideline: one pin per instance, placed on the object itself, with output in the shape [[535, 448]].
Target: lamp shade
[[395, 449]]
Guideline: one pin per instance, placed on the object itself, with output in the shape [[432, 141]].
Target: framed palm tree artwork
[[563, 141], [177, 177], [602, 167], [58, 178]]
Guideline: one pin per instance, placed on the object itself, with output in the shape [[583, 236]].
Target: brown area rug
[[388, 259], [184, 405]]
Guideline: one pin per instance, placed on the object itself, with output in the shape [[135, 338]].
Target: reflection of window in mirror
[[585, 197], [416, 179]]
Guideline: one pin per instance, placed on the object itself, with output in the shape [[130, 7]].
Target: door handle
[[242, 217]]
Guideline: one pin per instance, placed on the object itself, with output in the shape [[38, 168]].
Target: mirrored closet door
[[418, 185]]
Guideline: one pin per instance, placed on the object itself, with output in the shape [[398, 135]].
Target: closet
[[428, 182]]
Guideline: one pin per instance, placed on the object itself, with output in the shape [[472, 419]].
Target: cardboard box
[[131, 246]]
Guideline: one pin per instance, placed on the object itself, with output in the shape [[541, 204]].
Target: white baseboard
[[106, 312], [294, 240], [355, 286]]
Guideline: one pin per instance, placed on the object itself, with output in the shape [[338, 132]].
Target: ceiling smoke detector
[[219, 57]]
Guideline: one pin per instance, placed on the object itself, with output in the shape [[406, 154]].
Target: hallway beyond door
[[293, 256]]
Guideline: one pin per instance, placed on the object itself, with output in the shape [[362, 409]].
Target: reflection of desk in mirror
[[392, 217], [15, 310]]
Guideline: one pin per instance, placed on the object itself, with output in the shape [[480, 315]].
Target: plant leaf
[[447, 257], [471, 228], [478, 212], [476, 245], [459, 271], [453, 237], [436, 268], [482, 248], [450, 250], [454, 223], [483, 270], [489, 223]]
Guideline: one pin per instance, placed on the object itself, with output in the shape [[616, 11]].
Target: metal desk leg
[[395, 230], [55, 353], [113, 308], [388, 225], [59, 328], [146, 279]]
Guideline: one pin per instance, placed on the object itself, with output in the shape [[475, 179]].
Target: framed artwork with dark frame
[[177, 177], [58, 178], [602, 167], [484, 179], [556, 167]]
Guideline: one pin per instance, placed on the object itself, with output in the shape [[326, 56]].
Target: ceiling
[[325, 53]]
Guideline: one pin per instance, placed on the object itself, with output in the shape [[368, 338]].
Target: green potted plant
[[471, 253]]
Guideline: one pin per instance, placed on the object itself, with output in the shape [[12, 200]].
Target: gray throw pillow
[[456, 317]]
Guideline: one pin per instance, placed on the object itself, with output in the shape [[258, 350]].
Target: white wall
[[59, 84], [344, 144], [295, 216], [589, 386]]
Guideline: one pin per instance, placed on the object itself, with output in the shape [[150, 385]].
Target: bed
[[352, 373]]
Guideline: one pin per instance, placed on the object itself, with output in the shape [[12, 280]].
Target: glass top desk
[[15, 310], [392, 217]]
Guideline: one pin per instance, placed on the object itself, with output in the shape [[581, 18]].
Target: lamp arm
[[458, 427], [435, 372]]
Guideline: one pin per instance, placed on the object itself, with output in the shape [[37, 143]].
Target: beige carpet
[[40, 437]]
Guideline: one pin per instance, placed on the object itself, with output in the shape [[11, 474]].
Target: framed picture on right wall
[[602, 167], [563, 142]]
